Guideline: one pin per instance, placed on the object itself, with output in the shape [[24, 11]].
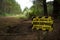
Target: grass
[[15, 15]]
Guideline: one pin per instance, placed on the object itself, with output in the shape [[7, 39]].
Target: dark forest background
[[15, 24]]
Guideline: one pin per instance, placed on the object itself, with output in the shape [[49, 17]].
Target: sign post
[[42, 23]]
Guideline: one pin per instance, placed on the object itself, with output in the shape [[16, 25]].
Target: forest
[[16, 24]]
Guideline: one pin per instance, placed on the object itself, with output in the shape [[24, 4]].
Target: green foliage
[[50, 7], [37, 10], [9, 7]]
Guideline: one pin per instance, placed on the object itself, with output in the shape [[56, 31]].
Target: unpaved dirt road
[[20, 29]]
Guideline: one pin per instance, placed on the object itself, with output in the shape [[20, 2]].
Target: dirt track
[[20, 29]]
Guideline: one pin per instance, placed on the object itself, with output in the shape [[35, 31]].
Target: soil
[[12, 28]]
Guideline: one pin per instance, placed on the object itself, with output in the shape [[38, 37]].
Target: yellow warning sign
[[43, 23]]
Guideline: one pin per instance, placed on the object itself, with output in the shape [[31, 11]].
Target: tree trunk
[[1, 1], [56, 9], [45, 8]]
